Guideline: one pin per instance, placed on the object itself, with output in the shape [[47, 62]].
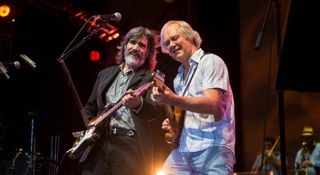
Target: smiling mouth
[[135, 54], [175, 52]]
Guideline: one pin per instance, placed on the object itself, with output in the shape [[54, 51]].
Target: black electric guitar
[[92, 133]]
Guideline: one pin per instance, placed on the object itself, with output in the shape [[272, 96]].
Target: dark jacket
[[150, 110]]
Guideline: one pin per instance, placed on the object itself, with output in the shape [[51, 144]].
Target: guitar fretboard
[[118, 105]]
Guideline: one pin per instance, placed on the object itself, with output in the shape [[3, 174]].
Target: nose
[[171, 44], [136, 46]]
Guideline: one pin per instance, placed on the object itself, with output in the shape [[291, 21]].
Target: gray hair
[[186, 30]]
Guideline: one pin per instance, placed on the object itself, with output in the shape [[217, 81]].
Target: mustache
[[135, 53]]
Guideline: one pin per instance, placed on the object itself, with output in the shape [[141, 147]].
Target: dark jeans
[[118, 154]]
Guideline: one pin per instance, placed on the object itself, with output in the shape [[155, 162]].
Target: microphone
[[28, 60], [15, 64], [4, 71], [114, 17]]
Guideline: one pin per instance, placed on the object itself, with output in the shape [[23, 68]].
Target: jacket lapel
[[106, 82], [137, 79]]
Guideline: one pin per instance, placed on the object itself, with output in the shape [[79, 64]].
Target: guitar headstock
[[158, 78]]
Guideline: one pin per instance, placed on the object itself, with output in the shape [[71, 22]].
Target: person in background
[[271, 163], [203, 91], [307, 160], [124, 146]]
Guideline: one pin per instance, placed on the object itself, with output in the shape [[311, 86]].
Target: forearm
[[201, 105]]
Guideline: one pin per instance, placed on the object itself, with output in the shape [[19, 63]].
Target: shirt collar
[[196, 56], [195, 59], [130, 71]]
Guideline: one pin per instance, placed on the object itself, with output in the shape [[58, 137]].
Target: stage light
[[95, 55], [106, 31], [161, 172], [102, 35], [109, 38], [4, 10], [115, 36]]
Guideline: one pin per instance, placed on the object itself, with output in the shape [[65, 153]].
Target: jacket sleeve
[[91, 107]]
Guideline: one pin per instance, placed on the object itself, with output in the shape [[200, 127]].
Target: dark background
[[43, 29]]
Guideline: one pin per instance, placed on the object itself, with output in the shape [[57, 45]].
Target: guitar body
[[82, 143], [89, 136], [176, 121]]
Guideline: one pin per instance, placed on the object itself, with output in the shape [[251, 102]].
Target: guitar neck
[[108, 113], [118, 105]]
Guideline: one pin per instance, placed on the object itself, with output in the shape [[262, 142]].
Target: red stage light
[[95, 55]]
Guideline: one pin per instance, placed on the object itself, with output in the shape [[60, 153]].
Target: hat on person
[[307, 131]]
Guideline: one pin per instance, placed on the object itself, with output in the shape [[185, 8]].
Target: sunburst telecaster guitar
[[90, 135]]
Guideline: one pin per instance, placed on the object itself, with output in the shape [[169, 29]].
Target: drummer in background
[[307, 160]]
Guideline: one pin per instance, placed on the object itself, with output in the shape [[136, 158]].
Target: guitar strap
[[195, 69]]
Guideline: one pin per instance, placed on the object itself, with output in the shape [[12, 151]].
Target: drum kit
[[22, 162]]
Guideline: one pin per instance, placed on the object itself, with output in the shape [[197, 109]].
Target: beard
[[134, 61]]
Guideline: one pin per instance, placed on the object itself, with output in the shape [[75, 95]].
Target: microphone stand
[[66, 71], [32, 144], [259, 38], [280, 95], [280, 92], [67, 74]]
